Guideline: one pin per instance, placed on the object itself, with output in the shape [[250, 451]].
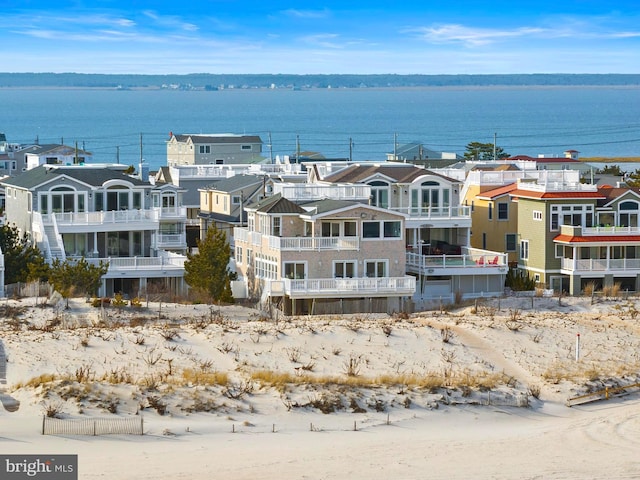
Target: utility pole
[[395, 147], [75, 158], [270, 149], [118, 154], [297, 148], [140, 148], [495, 136], [350, 149]]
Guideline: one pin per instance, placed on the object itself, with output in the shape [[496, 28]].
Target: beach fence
[[503, 399], [604, 394], [3, 365], [92, 426]]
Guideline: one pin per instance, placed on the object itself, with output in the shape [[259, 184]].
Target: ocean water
[[125, 125]]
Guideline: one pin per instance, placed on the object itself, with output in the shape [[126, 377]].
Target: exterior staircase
[[55, 247]]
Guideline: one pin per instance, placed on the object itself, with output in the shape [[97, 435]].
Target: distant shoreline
[[157, 88]]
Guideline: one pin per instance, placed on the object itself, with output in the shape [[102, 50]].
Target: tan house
[[437, 227], [214, 149], [324, 256], [222, 202]]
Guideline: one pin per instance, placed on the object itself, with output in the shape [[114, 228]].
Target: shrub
[[136, 302], [99, 302], [519, 280], [118, 301]]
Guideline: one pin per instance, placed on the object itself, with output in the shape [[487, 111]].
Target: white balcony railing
[[169, 240], [345, 287], [102, 218], [314, 243], [306, 191], [478, 261], [165, 213], [600, 264], [140, 265], [611, 230], [298, 244], [460, 211]]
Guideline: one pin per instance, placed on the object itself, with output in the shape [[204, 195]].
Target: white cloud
[[310, 14], [326, 40], [471, 36]]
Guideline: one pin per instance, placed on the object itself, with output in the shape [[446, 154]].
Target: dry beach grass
[[190, 368]]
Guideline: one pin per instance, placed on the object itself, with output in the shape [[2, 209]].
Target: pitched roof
[[610, 193], [50, 147], [237, 182], [218, 138], [617, 239], [94, 176], [399, 172], [277, 204], [497, 192], [522, 193], [329, 205]]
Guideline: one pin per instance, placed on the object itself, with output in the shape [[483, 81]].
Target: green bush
[[519, 280]]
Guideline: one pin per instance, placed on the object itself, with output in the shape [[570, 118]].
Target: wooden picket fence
[[92, 426], [605, 394]]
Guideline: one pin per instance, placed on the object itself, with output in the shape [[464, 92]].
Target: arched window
[[117, 198], [379, 193], [63, 200], [429, 196], [628, 214]]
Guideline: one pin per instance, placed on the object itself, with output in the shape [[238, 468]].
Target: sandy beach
[[229, 392]]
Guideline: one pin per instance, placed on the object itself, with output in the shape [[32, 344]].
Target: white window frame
[[537, 215], [303, 264], [524, 249], [344, 263], [377, 262]]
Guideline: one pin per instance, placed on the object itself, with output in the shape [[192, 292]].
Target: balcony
[[172, 213], [306, 192], [111, 221], [472, 262], [169, 240], [300, 244], [610, 230], [166, 265], [343, 287], [297, 244], [572, 266], [452, 216]]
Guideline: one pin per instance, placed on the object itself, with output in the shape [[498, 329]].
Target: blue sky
[[402, 36]]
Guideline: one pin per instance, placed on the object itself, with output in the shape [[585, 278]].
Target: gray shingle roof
[[400, 173], [219, 138], [277, 204], [234, 183], [94, 176]]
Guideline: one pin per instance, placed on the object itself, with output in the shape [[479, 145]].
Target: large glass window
[[379, 194], [575, 215], [346, 269], [375, 268], [628, 214], [370, 229], [330, 229], [392, 229], [295, 270]]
